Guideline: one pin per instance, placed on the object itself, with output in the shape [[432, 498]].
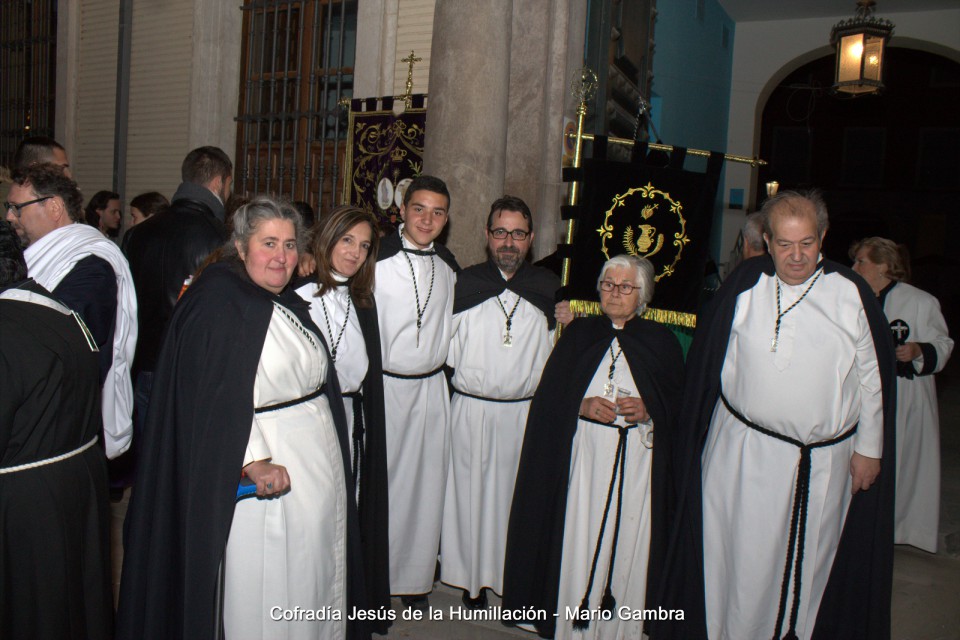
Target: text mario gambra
[[457, 613]]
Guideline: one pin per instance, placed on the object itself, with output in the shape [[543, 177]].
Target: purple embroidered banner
[[384, 154]]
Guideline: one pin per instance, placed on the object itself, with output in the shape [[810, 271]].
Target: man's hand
[[864, 471], [271, 479], [562, 312], [599, 409], [908, 352]]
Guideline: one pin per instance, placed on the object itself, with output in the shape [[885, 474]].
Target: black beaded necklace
[[416, 291], [326, 319], [776, 331], [608, 385]]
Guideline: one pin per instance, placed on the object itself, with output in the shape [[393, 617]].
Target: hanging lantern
[[860, 43]]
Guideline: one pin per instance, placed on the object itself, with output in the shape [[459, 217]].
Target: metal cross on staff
[[408, 94]]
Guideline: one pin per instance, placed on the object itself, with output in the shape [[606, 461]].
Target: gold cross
[[408, 94]]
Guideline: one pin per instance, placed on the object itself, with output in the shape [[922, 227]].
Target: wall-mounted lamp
[[772, 187], [861, 42]]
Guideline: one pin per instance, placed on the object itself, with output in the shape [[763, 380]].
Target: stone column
[[466, 141]]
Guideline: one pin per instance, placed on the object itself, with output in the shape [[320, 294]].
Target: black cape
[[479, 283], [535, 533], [392, 245], [54, 519], [856, 603], [198, 426]]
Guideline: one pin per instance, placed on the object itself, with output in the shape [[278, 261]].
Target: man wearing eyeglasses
[[503, 334], [88, 273]]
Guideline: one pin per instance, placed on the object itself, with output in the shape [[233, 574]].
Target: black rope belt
[[798, 519], [413, 376], [358, 434], [292, 403], [608, 602], [486, 399]]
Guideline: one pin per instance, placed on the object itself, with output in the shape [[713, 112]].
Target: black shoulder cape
[[856, 603], [479, 283], [535, 534], [392, 245], [198, 425]]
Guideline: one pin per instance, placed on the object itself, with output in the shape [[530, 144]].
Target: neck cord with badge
[[507, 338], [776, 330], [609, 385], [416, 291]]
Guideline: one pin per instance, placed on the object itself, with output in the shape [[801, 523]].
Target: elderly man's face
[[508, 252], [794, 243], [34, 220]]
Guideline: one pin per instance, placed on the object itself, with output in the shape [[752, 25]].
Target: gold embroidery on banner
[[663, 316], [645, 240]]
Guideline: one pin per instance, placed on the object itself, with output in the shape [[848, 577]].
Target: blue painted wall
[[691, 83]]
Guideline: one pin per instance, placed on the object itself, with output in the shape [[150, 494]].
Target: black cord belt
[[292, 403], [358, 434], [486, 399], [413, 376], [608, 602], [798, 519]]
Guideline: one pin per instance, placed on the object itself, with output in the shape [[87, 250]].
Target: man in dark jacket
[[168, 248]]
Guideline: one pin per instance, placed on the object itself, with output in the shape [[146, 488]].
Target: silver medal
[[507, 339]]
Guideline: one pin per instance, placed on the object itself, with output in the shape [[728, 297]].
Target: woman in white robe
[[340, 294], [923, 348]]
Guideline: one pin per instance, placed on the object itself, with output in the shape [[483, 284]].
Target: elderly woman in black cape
[[340, 294], [589, 512], [244, 389]]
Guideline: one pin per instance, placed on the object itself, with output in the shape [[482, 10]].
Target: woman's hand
[[632, 409], [271, 479], [599, 409], [908, 352]]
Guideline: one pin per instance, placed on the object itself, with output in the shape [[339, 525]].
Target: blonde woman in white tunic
[[923, 349]]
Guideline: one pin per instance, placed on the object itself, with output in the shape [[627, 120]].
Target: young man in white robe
[[503, 333], [414, 293], [786, 520]]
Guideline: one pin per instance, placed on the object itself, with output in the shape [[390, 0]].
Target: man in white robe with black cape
[[503, 333], [785, 522], [414, 294]]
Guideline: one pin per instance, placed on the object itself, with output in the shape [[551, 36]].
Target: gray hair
[[248, 217], [789, 198], [643, 278], [753, 231]]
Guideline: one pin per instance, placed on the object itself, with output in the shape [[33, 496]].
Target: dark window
[[28, 59], [297, 65]]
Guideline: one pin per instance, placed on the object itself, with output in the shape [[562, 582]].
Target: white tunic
[[351, 359], [486, 437], [290, 551], [417, 411], [591, 465], [822, 379], [915, 316]]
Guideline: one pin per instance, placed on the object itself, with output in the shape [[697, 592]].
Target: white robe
[[352, 361], [591, 465], [820, 382], [486, 437], [290, 551], [417, 412], [917, 517]]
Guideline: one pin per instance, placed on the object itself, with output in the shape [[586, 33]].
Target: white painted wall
[[765, 52]]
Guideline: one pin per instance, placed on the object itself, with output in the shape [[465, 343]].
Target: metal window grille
[[297, 65], [28, 58]]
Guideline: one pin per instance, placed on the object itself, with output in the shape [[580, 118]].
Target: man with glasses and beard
[[503, 334]]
